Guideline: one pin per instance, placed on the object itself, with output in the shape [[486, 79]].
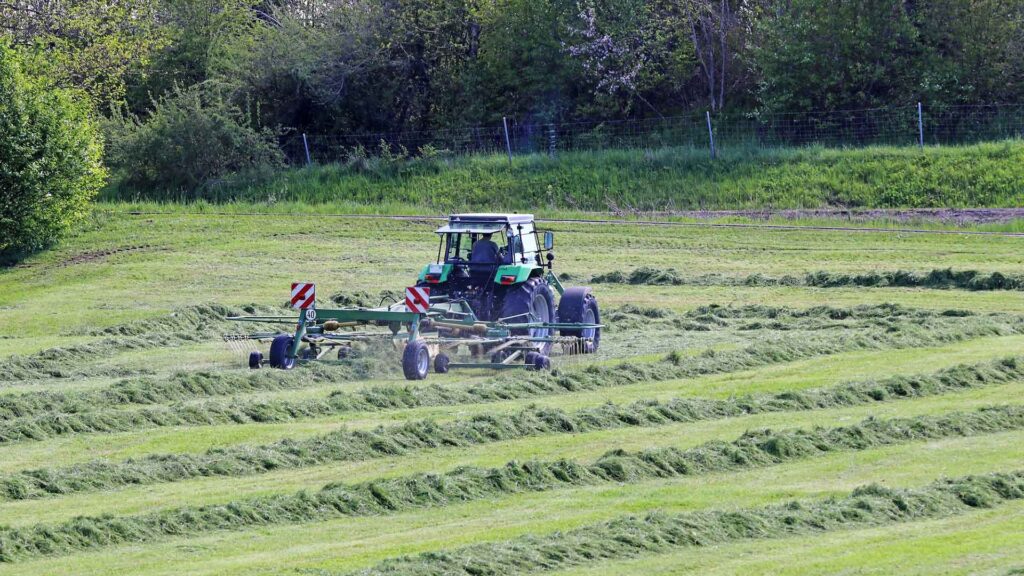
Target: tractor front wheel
[[279, 349], [416, 360], [531, 301]]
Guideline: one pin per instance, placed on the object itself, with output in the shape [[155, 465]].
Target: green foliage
[[824, 55], [50, 151], [195, 45], [192, 138], [829, 55], [102, 48]]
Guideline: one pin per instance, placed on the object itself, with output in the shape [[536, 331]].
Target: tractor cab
[[515, 257], [492, 291], [484, 276]]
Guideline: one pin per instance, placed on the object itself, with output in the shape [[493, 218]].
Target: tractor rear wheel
[[279, 349], [416, 360], [531, 301], [578, 305]]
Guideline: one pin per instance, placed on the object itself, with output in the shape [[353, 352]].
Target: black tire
[[578, 305], [279, 348], [542, 362], [255, 360], [344, 352], [531, 301], [416, 360], [441, 362]]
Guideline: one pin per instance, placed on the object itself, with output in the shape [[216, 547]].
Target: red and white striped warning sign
[[303, 295], [417, 299]]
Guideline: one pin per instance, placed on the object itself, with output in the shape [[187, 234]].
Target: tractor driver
[[485, 251]]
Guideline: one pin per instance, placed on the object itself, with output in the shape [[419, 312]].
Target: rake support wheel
[[416, 360]]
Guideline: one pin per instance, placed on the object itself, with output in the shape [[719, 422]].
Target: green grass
[[194, 258], [667, 178], [138, 269]]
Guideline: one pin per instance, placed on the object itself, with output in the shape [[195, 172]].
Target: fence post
[[711, 135], [508, 144], [305, 144], [920, 126]]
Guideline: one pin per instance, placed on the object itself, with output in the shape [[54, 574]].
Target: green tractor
[[501, 266], [491, 291]]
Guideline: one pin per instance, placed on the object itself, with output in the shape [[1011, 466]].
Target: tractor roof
[[483, 223], [493, 217]]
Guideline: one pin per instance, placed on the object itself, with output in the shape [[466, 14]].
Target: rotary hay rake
[[426, 330]]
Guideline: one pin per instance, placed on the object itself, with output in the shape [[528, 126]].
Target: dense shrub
[[192, 138], [50, 151]]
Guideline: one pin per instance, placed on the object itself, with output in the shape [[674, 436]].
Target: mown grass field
[[133, 441]]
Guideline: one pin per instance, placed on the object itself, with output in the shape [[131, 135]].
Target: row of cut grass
[[464, 484], [353, 543], [796, 375], [988, 541], [487, 428], [132, 500], [630, 536], [38, 427]]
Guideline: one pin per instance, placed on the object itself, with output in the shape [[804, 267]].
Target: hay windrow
[[186, 325], [753, 449], [38, 416], [185, 386], [196, 324], [420, 435], [945, 279], [632, 536]]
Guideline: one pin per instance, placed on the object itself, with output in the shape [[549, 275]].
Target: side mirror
[[549, 240]]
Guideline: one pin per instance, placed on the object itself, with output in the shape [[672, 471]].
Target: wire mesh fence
[[892, 126]]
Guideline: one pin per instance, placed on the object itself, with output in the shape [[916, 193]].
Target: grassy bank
[[670, 178]]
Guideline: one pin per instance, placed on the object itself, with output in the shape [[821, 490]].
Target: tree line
[[389, 65], [187, 91]]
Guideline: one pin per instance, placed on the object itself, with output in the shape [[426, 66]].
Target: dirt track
[[945, 215]]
